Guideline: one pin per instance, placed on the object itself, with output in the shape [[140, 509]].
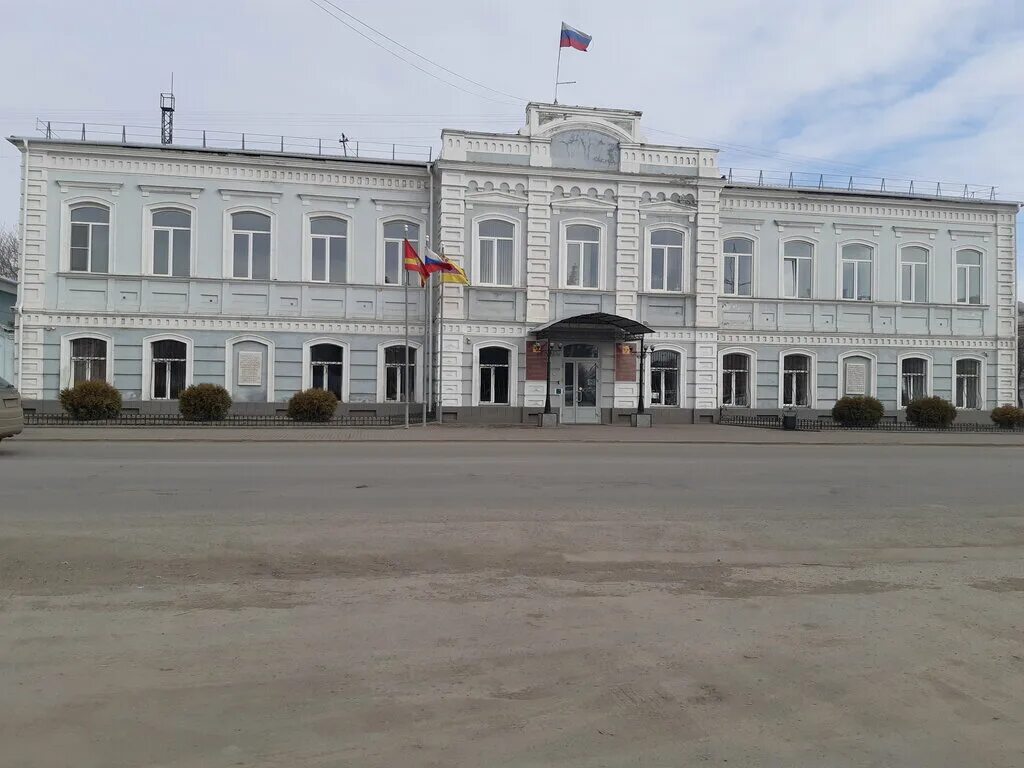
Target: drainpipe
[[20, 303]]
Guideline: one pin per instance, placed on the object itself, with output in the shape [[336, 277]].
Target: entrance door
[[580, 383]]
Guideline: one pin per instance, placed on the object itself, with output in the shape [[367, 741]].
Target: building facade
[[154, 267]]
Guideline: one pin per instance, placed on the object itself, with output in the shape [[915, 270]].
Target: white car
[[12, 418]]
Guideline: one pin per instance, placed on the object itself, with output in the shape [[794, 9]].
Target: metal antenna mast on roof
[[167, 115]]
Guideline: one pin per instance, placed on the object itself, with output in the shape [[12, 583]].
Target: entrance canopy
[[594, 323]]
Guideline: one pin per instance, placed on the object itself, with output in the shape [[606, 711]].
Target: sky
[[925, 89]]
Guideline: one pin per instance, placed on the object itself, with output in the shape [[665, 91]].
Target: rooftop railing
[[852, 183]]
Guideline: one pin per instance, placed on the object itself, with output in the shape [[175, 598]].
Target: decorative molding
[[495, 197], [875, 211], [262, 194], [782, 224], [917, 342], [583, 203], [382, 202], [955, 234], [874, 229], [113, 187], [930, 232], [148, 189], [755, 223], [307, 198], [670, 207]]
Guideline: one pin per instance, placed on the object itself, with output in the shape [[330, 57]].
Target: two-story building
[[156, 266]]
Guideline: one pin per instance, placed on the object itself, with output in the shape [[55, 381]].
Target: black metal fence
[[174, 420], [772, 421]]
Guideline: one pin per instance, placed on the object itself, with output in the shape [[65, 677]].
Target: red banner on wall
[[625, 362], [536, 361]]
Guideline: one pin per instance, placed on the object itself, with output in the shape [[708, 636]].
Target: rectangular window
[[394, 272], [496, 261], [914, 274], [968, 384], [856, 271], [88, 360], [251, 255], [796, 278], [968, 282], [796, 380], [583, 256], [913, 380], [738, 267], [736, 380], [665, 378], [394, 374]]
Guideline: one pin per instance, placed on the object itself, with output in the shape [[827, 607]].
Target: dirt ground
[[204, 605]]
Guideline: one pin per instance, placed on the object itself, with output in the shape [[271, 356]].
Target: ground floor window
[[913, 379], [665, 377], [736, 380], [88, 360], [396, 358], [327, 362], [968, 384], [796, 378], [494, 375], [170, 360]]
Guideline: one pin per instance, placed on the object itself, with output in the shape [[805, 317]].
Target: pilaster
[[453, 238], [538, 251], [627, 250], [705, 287], [1006, 309]]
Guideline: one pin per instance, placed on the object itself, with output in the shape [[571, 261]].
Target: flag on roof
[[573, 38]]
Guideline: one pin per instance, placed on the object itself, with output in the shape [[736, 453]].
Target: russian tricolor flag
[[573, 38]]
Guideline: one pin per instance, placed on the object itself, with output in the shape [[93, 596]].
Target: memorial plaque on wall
[[856, 378], [536, 361], [250, 369], [625, 362]]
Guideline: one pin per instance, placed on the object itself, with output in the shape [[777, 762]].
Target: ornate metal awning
[[593, 324]]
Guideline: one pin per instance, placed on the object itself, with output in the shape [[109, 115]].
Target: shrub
[[91, 400], [931, 412], [858, 411], [204, 402], [312, 405], [1008, 416]]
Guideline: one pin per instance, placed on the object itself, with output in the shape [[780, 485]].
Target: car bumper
[[11, 424]]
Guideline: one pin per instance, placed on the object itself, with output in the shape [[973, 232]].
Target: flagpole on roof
[[558, 67]]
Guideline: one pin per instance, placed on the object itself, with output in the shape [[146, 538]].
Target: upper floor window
[[914, 273], [398, 382], [90, 238], [582, 256], [796, 380], [328, 366], [913, 379], [856, 266], [666, 260], [968, 383], [395, 234], [250, 236], [172, 242], [88, 360], [328, 249], [797, 269], [495, 239], [968, 276], [738, 266], [170, 363], [665, 369], [494, 375]]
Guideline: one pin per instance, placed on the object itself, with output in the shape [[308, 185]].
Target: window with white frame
[[495, 365], [968, 383], [395, 235], [914, 273], [665, 377], [170, 363], [88, 360], [582, 256], [495, 261], [738, 266], [856, 271], [736, 380], [968, 276], [797, 269], [913, 379], [172, 242], [796, 380], [666, 260], [328, 249], [90, 238], [396, 358], [250, 244], [327, 363]]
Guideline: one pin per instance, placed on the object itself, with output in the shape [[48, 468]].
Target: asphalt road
[[352, 604]]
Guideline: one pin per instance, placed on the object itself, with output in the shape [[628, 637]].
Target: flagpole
[[405, 368], [558, 67], [427, 358], [440, 348]]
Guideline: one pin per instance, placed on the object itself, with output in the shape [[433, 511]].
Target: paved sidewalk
[[682, 434]]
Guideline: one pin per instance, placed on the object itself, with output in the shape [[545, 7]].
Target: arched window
[[250, 238], [913, 379], [796, 380], [327, 368], [172, 242], [395, 233], [666, 260], [170, 363], [328, 249], [797, 269], [738, 266], [914, 273], [856, 271], [968, 276], [495, 243], [90, 238], [736, 380], [88, 360], [582, 256], [968, 383], [495, 364], [665, 377], [396, 358]]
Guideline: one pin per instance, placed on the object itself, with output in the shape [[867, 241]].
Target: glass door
[[580, 392]]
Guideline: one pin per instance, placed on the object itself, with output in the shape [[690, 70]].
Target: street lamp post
[[640, 409]]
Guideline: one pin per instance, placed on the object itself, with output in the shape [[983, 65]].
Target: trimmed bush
[[858, 411], [312, 405], [931, 412], [204, 402], [1008, 416], [91, 400]]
